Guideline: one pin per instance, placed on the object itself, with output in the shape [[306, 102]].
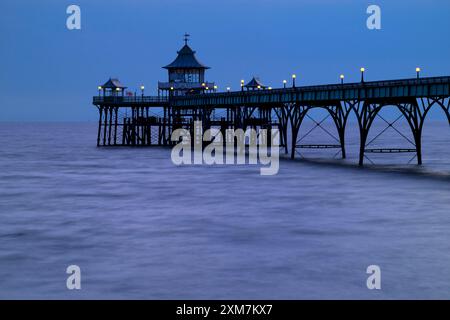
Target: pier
[[127, 119]]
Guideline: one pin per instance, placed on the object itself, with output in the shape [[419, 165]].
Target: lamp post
[[215, 88], [342, 78], [228, 89], [284, 84], [99, 90], [293, 80], [242, 85], [142, 91], [362, 74], [418, 72]]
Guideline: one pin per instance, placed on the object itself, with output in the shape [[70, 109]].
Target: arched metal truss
[[291, 115], [414, 111], [337, 111]]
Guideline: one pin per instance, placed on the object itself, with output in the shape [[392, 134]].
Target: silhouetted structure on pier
[[187, 97]]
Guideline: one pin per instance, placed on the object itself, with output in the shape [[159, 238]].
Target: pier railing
[[131, 100], [414, 88], [391, 89]]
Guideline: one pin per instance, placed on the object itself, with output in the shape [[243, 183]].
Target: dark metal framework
[[151, 120]]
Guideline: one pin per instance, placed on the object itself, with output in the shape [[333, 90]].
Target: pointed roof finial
[[186, 38], [186, 58]]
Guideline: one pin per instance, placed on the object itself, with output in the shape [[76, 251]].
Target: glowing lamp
[[362, 74]]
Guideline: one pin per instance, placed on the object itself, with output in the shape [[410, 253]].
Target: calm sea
[[140, 227]]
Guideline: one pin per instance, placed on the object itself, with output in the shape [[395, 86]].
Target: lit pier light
[[342, 78], [242, 85], [99, 90], [142, 90], [294, 76], [228, 89], [362, 73], [418, 72], [284, 83]]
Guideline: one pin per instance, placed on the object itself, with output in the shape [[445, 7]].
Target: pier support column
[[340, 113], [105, 124], [164, 128], [415, 113], [100, 112], [283, 120], [365, 112], [110, 125], [133, 125], [116, 123], [415, 119], [296, 115]]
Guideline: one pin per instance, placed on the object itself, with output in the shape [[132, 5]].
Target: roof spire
[[186, 58], [186, 38]]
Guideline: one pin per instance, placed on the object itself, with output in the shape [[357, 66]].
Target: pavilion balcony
[[185, 85], [130, 100]]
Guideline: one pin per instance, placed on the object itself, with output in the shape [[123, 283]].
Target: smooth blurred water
[[140, 227]]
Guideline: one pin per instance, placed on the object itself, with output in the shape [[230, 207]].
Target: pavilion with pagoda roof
[[255, 84], [112, 87], [186, 74]]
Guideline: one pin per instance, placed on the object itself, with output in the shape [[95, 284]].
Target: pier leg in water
[[296, 114], [340, 113], [283, 120], [415, 113], [365, 113], [100, 111]]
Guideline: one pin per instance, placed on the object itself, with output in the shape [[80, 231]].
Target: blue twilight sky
[[50, 73]]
